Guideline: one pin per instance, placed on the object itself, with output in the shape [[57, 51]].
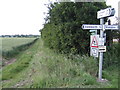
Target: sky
[[27, 16], [114, 4]]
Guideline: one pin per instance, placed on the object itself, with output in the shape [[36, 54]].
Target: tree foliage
[[62, 30]]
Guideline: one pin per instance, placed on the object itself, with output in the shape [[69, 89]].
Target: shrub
[[112, 57], [62, 30]]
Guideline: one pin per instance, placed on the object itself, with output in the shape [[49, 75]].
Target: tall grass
[[59, 71], [48, 69]]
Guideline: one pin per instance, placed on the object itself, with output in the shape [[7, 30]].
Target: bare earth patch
[[10, 61], [6, 62]]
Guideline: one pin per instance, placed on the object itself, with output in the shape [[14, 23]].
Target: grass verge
[[40, 67]]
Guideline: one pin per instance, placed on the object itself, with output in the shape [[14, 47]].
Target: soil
[[6, 62]]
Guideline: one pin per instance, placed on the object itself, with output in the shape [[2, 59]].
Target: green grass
[[40, 67], [0, 47]]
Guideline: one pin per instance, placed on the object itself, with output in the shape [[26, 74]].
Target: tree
[[63, 31]]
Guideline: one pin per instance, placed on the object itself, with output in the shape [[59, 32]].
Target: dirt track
[[6, 62]]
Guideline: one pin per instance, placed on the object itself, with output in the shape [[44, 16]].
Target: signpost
[[97, 42]]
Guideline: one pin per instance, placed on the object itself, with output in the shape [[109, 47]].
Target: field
[[40, 67], [11, 47], [7, 44]]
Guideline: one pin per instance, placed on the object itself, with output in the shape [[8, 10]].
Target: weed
[[88, 79]]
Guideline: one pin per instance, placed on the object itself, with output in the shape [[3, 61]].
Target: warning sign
[[94, 45], [94, 41]]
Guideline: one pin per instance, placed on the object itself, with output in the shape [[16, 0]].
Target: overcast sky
[[27, 16]]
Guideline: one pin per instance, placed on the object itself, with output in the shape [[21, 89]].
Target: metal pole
[[101, 53]]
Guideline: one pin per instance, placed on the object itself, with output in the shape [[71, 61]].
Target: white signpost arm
[[101, 53]]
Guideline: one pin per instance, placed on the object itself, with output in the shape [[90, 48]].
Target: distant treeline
[[20, 35]]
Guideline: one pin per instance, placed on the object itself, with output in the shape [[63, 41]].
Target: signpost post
[[101, 53], [97, 43]]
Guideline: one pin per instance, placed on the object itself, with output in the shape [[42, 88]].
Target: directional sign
[[111, 27], [106, 27], [105, 13], [87, 26]]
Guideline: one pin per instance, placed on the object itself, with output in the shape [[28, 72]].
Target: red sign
[[94, 42]]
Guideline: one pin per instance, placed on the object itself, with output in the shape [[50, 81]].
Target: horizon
[[21, 34]]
